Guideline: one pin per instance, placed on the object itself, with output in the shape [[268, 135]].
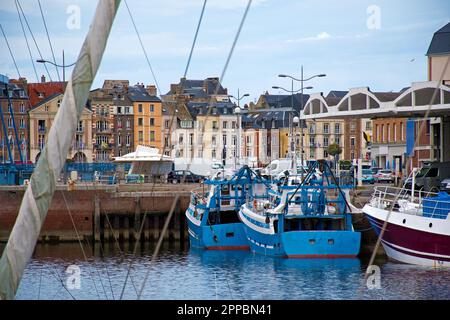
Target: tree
[[333, 150]]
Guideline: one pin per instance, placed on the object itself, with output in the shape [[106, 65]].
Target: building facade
[[13, 97], [41, 119]]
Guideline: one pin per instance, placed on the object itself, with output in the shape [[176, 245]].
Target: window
[[401, 131], [337, 128], [388, 137], [325, 154], [41, 125], [127, 110], [312, 141], [233, 140], [22, 123], [312, 128], [369, 125], [128, 140], [10, 125], [326, 128], [325, 142], [59, 103], [191, 139], [224, 139], [214, 125], [119, 140], [377, 132], [80, 126], [152, 135], [394, 129], [233, 124], [213, 140], [140, 136], [22, 108], [119, 123], [166, 141], [213, 153], [166, 124], [200, 153], [352, 126], [140, 108], [337, 140], [352, 141], [382, 133], [152, 122], [180, 138], [224, 125], [187, 124], [119, 110], [152, 108], [140, 122], [128, 124], [352, 155], [427, 127]]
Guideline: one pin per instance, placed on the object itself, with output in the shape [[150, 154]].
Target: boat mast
[[39, 192]]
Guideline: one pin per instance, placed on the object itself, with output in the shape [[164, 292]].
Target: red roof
[[42, 90]]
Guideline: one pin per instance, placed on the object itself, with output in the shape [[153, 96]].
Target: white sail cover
[[39, 193]]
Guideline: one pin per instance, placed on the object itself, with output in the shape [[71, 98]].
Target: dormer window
[[41, 95]]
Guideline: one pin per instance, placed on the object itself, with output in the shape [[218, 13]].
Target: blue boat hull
[[321, 244], [306, 244], [229, 236]]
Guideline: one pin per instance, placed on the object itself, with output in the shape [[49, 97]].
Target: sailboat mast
[[39, 193]]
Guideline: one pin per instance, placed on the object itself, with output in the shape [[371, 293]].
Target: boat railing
[[401, 200]]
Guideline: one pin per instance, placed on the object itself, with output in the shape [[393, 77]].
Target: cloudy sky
[[375, 43]]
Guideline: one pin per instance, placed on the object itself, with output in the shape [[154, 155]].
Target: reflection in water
[[197, 274]]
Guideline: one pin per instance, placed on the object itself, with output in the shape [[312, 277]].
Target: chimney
[[42, 78], [173, 88], [151, 90]]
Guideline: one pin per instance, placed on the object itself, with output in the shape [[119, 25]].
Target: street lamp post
[[291, 139], [239, 98], [237, 111], [302, 80], [63, 66]]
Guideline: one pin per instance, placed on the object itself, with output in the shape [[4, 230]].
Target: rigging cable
[[34, 40], [48, 37], [10, 52], [163, 151], [175, 201], [143, 48], [195, 39], [28, 45]]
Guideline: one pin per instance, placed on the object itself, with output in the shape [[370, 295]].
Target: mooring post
[[96, 218], [137, 217], [126, 228]]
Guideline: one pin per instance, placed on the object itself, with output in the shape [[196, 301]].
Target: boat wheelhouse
[[212, 216], [418, 225], [309, 218]]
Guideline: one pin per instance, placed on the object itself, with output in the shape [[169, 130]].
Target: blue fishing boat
[[212, 217], [308, 218]]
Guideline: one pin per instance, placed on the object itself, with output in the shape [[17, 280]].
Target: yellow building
[[41, 119], [148, 117]]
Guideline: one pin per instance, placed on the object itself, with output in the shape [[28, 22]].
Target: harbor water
[[61, 272]]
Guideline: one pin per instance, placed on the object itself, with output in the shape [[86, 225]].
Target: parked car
[[430, 176], [177, 176], [375, 170], [384, 175], [367, 176], [445, 185]]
